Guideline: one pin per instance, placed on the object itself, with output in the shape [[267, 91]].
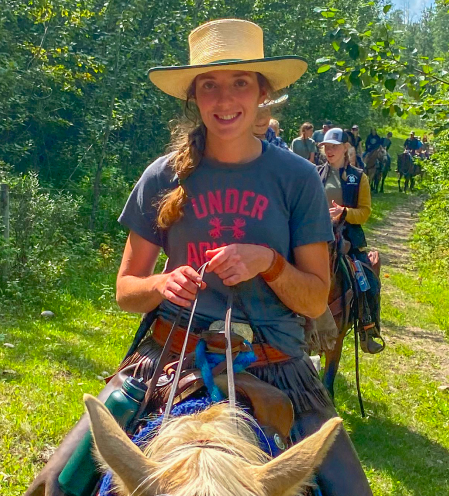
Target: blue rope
[[207, 361]]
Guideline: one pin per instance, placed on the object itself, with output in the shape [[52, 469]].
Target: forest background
[[79, 120]]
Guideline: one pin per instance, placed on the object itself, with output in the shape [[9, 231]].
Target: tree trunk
[[107, 132]]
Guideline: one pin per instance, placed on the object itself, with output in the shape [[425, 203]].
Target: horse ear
[[115, 448], [289, 471]]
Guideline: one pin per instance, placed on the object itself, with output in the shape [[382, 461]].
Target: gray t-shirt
[[303, 147], [276, 200], [318, 136]]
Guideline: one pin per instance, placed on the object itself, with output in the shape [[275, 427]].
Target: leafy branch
[[400, 81]]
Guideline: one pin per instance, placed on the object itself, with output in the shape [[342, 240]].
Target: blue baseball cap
[[335, 136]]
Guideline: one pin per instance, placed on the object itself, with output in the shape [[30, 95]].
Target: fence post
[[4, 225]]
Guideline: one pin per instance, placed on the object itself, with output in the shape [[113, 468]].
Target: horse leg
[[384, 175], [412, 184], [399, 183], [332, 363]]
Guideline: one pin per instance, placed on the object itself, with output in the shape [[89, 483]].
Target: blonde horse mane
[[211, 453]]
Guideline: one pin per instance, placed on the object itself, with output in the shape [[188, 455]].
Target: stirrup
[[367, 334]]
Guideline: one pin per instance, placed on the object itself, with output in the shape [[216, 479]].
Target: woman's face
[[335, 154], [228, 102], [308, 133], [373, 131]]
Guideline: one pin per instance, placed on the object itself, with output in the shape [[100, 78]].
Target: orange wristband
[[276, 268]]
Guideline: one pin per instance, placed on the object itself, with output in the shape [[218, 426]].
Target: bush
[[48, 243], [432, 231]]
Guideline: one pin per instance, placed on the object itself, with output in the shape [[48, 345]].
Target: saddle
[[271, 407]]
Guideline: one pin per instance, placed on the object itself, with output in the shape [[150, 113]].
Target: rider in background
[[425, 149], [356, 142], [318, 135], [304, 146], [411, 144], [274, 124], [373, 141], [386, 143], [264, 131], [347, 190]]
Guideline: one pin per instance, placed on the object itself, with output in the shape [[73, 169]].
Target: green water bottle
[[80, 475]]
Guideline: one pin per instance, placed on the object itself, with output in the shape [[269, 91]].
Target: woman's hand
[[336, 211], [238, 262], [181, 285]]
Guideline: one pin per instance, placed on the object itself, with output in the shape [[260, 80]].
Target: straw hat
[[274, 103], [227, 45]]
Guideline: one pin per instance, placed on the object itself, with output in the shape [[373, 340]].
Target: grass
[[403, 443], [43, 378]]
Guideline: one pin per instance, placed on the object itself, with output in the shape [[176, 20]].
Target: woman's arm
[[302, 287], [312, 157], [361, 214], [139, 290]]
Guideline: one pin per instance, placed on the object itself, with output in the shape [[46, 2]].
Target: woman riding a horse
[[348, 193], [255, 213]]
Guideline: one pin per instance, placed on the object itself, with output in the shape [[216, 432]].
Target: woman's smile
[[227, 119]]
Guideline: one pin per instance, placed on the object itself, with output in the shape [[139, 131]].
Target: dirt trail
[[392, 238]]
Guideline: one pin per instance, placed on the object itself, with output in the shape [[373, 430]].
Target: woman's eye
[[208, 85], [241, 82]]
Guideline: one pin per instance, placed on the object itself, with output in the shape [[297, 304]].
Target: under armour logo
[[218, 228]]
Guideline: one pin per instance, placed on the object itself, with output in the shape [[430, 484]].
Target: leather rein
[[163, 359]]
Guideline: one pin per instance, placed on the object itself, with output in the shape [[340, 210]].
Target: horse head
[[211, 453]]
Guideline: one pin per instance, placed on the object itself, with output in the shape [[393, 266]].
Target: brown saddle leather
[[271, 407], [336, 307]]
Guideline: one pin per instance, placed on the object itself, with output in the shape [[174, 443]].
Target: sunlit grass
[[403, 444]]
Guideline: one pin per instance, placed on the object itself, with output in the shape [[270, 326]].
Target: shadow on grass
[[415, 333], [33, 347], [412, 460]]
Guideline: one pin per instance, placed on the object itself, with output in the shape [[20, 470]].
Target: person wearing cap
[[357, 140], [304, 146], [348, 191], [411, 144], [318, 135], [255, 213]]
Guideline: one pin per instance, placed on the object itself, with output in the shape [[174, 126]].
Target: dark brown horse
[[383, 167], [407, 169], [373, 165], [344, 311], [340, 303]]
